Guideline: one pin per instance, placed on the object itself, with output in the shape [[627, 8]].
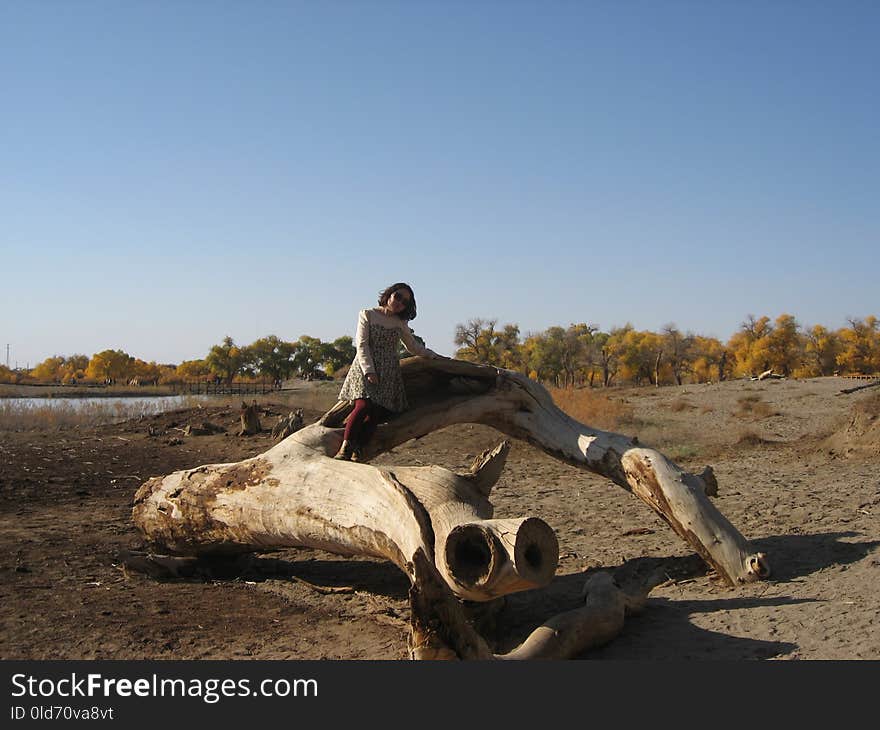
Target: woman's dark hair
[[410, 312]]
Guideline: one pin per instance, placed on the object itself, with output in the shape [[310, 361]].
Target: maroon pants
[[362, 421]]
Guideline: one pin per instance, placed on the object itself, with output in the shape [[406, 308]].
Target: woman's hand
[[373, 379]]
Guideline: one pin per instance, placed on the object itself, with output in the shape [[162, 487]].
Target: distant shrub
[[751, 406]]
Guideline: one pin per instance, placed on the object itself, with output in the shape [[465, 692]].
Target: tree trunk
[[445, 392], [861, 387], [441, 631], [296, 494]]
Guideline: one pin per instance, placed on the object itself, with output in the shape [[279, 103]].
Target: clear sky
[[172, 172]]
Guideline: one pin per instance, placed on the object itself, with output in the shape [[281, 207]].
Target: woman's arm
[[412, 345], [362, 343]]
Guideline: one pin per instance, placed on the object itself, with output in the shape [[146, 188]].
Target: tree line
[[268, 358], [580, 354], [583, 354]]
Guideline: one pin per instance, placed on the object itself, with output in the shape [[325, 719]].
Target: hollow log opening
[[468, 555]]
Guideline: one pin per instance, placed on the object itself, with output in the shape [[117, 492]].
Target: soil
[[797, 467]]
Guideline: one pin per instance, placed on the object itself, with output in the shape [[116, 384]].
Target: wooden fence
[[212, 387]]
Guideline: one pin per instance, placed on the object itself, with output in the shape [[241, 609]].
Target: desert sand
[[797, 466]]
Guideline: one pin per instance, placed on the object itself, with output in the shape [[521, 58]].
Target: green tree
[[543, 354], [272, 357], [308, 356], [586, 364], [339, 353], [225, 360], [677, 351]]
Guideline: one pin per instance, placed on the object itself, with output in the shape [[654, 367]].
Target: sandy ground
[[797, 465]]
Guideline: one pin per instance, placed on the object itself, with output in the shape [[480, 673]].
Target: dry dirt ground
[[797, 466]]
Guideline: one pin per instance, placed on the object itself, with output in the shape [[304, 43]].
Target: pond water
[[146, 405], [19, 414]]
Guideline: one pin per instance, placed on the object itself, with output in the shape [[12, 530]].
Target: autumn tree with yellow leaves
[[59, 369], [860, 346], [109, 365], [578, 355], [821, 350], [711, 361], [7, 375], [193, 369]]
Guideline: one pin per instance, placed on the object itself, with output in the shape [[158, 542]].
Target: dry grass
[[681, 442], [29, 390], [36, 414], [869, 406], [680, 404], [751, 406], [593, 408]]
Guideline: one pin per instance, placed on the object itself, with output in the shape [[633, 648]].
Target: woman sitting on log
[[374, 383]]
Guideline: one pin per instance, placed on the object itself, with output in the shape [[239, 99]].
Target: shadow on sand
[[796, 556], [665, 630]]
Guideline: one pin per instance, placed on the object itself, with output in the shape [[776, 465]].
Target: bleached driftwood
[[287, 425], [769, 374], [440, 631], [427, 519], [446, 392], [294, 495]]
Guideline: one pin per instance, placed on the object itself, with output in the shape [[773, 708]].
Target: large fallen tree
[[434, 524]]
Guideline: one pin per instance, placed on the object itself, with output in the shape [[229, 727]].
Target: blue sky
[[174, 172]]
